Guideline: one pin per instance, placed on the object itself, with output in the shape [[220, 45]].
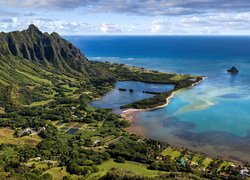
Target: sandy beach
[[129, 114]]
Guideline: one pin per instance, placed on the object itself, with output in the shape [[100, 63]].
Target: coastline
[[129, 113]]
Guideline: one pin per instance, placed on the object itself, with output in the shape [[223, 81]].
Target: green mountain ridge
[[48, 49], [31, 61]]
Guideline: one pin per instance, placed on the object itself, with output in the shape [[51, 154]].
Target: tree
[[120, 159]]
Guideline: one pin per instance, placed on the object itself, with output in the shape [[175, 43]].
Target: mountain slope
[[36, 66], [48, 49]]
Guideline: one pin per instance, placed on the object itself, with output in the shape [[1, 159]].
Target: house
[[97, 141], [244, 172], [73, 108], [160, 157], [26, 131], [35, 159]]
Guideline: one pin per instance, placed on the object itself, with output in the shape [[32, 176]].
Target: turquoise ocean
[[212, 117]]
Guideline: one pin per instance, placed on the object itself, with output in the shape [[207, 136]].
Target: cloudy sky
[[128, 17]]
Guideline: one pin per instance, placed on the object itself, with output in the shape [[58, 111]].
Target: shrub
[[120, 159]]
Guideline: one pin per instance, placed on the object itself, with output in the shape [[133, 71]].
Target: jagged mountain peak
[[55, 34], [48, 49], [33, 29]]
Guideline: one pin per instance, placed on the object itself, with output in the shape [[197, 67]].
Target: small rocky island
[[233, 70]]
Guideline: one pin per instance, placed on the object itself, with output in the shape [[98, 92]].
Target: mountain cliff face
[[36, 66], [48, 49]]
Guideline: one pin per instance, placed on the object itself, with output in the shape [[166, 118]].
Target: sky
[[128, 17]]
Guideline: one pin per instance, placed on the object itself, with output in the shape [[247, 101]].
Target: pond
[[116, 98], [72, 130]]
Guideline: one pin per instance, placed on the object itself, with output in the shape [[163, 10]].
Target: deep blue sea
[[213, 117]]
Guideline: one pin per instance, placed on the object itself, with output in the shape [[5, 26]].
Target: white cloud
[[138, 7], [110, 28], [63, 27], [213, 23], [166, 16], [158, 25]]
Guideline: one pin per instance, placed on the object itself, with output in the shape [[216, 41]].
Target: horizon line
[[155, 35]]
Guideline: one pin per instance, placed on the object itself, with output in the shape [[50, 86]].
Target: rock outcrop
[[233, 70]]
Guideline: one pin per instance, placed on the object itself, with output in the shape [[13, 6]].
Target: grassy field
[[38, 165], [224, 164], [69, 88], [39, 103], [6, 136], [3, 82], [196, 160], [8, 153], [171, 152], [1, 110], [35, 78], [58, 173], [179, 77], [137, 168], [206, 162]]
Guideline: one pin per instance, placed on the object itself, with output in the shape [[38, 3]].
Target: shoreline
[[128, 113]]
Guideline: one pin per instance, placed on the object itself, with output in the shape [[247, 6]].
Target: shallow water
[[116, 98], [212, 117]]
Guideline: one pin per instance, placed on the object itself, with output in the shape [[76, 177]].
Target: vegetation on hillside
[[49, 131]]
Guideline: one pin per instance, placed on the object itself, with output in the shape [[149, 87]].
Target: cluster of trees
[[81, 170], [115, 173], [136, 149], [122, 72], [152, 102], [166, 165]]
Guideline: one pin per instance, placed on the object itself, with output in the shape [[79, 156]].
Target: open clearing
[[171, 152], [137, 168], [7, 137]]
